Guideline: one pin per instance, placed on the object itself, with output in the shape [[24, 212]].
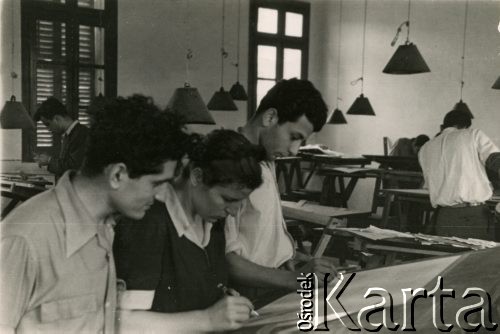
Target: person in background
[[172, 261], [453, 164], [56, 118], [57, 272], [409, 147], [260, 251]]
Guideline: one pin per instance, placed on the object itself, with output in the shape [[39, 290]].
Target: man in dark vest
[[56, 118]]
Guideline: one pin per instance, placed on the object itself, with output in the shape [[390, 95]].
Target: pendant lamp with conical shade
[[237, 91], [337, 116], [461, 105], [496, 85], [407, 59], [15, 116], [361, 105], [222, 100], [186, 102]]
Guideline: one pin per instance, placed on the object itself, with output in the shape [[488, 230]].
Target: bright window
[[72, 56], [279, 45]]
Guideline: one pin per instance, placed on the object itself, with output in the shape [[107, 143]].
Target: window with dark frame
[[278, 45], [69, 51]]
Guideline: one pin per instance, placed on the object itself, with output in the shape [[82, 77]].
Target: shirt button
[[108, 304]]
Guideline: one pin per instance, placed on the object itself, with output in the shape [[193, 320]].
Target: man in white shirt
[[259, 249], [454, 170]]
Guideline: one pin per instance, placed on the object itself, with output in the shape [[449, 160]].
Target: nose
[[294, 147]]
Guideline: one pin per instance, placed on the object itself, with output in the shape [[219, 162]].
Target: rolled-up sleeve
[[485, 146], [17, 279]]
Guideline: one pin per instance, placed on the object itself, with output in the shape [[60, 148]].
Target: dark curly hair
[[49, 108], [457, 118], [293, 98], [226, 157], [133, 131]]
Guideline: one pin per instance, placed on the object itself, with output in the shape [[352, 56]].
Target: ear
[[196, 176], [116, 175], [269, 117]]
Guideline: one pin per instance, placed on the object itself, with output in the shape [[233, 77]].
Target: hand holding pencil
[[230, 312]]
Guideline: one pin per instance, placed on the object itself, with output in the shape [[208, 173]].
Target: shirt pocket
[[68, 308]]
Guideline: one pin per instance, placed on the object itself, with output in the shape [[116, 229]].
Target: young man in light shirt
[[259, 250], [57, 273], [453, 164]]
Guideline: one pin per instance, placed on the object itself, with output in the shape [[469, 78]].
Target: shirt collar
[[180, 220], [70, 128], [80, 226]]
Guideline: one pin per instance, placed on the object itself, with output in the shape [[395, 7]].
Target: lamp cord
[[189, 52], [99, 78], [338, 54], [463, 49], [223, 52], [13, 74], [238, 44], [363, 59], [408, 24]]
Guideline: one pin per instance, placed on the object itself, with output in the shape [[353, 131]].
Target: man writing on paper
[[260, 251]]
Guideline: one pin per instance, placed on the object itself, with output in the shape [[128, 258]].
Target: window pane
[[292, 63], [91, 47], [263, 86], [267, 20], [293, 24], [91, 83], [50, 40], [266, 62], [96, 4]]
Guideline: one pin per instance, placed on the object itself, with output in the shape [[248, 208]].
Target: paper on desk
[[375, 233], [319, 149], [350, 169], [283, 311]]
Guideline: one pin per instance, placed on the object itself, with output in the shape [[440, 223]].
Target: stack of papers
[[319, 149]]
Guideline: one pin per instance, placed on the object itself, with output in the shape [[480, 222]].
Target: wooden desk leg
[[376, 194], [402, 210], [328, 191], [343, 194], [298, 173], [325, 239], [321, 247], [387, 209]]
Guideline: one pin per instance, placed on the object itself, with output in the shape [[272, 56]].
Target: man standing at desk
[[453, 164], [57, 273], [258, 244], [74, 135]]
